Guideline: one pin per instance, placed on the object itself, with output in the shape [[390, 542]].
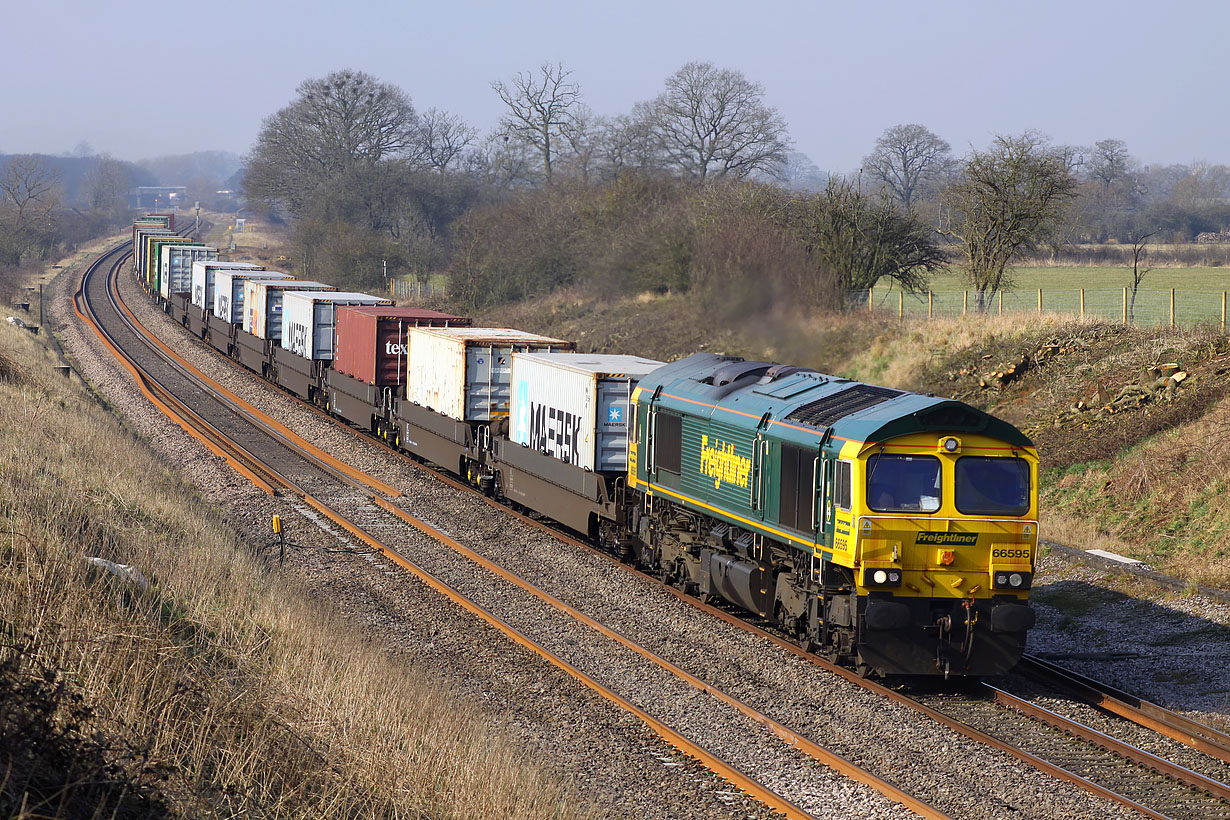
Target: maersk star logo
[[616, 415]]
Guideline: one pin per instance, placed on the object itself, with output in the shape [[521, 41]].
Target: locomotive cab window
[[668, 442], [903, 483], [992, 485]]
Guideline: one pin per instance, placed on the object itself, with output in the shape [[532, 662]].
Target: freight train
[[891, 531]]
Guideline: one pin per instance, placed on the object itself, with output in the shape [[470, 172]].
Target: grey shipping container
[[176, 267], [309, 320], [262, 309], [228, 291], [575, 406]]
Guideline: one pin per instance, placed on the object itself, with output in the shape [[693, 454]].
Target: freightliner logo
[[940, 538]]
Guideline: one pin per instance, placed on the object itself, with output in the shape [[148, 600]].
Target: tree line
[[696, 189]]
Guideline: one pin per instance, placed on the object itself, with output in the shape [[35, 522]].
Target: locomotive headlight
[[1012, 580], [885, 577], [950, 445]]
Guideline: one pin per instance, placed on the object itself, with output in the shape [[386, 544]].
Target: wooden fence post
[[1039, 301], [930, 305], [965, 303], [901, 304], [1082, 303], [1172, 307], [871, 300], [1125, 306], [1223, 311], [1001, 303]]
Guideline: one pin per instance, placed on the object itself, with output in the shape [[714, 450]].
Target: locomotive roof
[[805, 401]]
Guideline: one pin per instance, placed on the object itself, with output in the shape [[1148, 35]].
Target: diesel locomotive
[[889, 529]]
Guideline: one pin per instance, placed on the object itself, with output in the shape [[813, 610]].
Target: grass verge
[[214, 688]]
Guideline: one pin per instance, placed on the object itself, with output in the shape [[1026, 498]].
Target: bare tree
[[713, 122], [1007, 199], [502, 162], [106, 183], [542, 110], [336, 123], [861, 239], [28, 197], [907, 157], [584, 138], [443, 138], [799, 173], [1109, 162], [627, 145], [1139, 270], [1203, 184]]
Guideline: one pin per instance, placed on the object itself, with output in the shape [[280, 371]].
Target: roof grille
[[823, 412]]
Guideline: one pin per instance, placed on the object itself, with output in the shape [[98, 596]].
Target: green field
[[1198, 294]]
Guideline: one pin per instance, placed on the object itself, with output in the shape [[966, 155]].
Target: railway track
[[1110, 700], [282, 463], [1111, 777]]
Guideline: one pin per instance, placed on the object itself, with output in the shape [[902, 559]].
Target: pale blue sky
[[1151, 74]]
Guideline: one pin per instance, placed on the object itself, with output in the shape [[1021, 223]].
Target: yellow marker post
[[277, 530]]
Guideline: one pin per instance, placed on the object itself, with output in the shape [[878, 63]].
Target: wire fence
[[1149, 307]]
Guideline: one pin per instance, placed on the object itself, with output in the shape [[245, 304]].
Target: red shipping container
[[371, 341]]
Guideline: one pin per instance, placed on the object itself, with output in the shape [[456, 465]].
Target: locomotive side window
[[903, 483], [795, 490], [668, 443], [992, 485], [842, 499]]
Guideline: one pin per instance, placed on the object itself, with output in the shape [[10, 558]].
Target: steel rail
[[341, 470], [672, 737], [194, 425], [1193, 733], [279, 432], [1111, 744]]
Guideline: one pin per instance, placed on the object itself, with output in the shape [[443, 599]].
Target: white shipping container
[[139, 252], [262, 304], [203, 280], [309, 320], [465, 373], [574, 406], [176, 267], [228, 291]]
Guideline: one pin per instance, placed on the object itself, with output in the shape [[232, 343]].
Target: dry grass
[[902, 354], [1164, 500], [219, 690]]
